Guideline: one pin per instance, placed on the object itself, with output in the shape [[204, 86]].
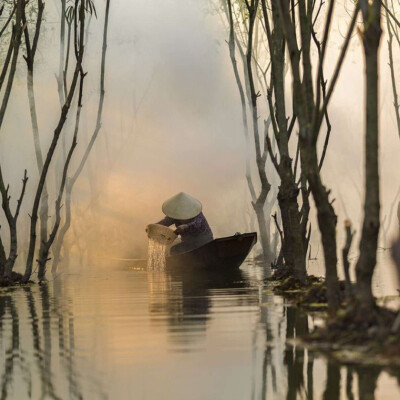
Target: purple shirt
[[196, 228]]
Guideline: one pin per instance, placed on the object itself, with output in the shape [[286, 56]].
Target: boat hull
[[221, 254]]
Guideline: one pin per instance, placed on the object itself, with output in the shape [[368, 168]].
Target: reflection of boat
[[220, 254]]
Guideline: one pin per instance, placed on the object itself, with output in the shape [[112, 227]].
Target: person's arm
[[190, 227], [167, 221]]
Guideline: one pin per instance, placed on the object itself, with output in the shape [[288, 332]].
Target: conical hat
[[182, 206]]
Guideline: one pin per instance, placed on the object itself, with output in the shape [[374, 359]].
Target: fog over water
[[106, 328], [172, 122]]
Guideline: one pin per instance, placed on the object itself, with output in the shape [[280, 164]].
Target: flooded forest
[[200, 199]]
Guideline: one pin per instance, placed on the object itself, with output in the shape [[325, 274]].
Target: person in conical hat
[[185, 212]]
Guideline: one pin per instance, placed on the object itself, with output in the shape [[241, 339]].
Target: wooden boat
[[221, 254]]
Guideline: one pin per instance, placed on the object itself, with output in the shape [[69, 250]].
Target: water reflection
[[186, 299], [27, 337], [133, 335]]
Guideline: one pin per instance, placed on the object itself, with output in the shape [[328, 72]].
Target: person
[[185, 212]]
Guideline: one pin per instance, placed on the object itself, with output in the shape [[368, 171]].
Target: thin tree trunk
[[44, 204], [60, 76], [293, 244], [310, 115], [345, 257], [44, 253], [3, 258], [260, 157], [12, 218], [30, 60], [242, 102], [326, 219], [70, 182], [370, 230], [392, 71], [257, 202], [264, 231], [57, 132]]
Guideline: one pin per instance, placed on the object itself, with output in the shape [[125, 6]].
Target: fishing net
[[160, 239]]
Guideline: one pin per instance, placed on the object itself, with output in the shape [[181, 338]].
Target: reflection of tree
[[367, 378], [29, 352], [349, 384], [268, 363], [66, 342], [13, 351], [310, 376], [297, 325], [332, 389], [42, 357]]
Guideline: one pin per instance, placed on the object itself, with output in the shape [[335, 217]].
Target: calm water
[[127, 334]]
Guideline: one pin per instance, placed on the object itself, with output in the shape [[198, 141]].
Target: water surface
[[119, 333]]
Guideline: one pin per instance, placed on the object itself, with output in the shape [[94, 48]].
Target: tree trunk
[[367, 380], [44, 203], [264, 232], [293, 248], [326, 218], [71, 181], [370, 230], [3, 258], [54, 142], [345, 257]]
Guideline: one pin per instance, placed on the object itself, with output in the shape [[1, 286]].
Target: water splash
[[157, 250]]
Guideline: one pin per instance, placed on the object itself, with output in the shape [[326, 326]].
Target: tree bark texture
[[371, 224]]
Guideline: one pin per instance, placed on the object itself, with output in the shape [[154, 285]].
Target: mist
[[172, 123]]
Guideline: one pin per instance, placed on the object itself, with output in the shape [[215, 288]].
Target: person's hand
[[180, 229]]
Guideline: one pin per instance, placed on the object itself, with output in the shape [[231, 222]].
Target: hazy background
[[172, 122]]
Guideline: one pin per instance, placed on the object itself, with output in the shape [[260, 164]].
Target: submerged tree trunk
[[15, 42], [260, 157], [370, 230], [293, 243], [310, 113], [293, 249], [326, 218]]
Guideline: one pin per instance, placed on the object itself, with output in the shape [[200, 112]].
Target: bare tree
[[70, 182], [79, 52], [44, 254], [310, 104], [293, 244], [11, 65], [31, 45], [258, 201], [371, 34]]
